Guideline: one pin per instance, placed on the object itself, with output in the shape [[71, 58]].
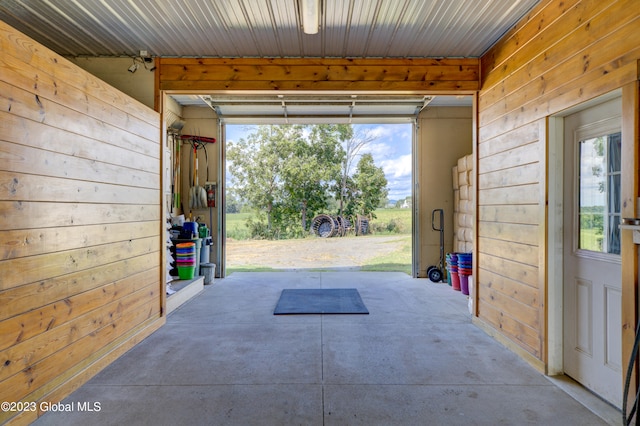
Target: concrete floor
[[224, 359]]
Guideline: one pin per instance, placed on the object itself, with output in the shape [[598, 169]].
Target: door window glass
[[599, 194]]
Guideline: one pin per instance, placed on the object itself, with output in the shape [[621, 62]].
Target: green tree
[[232, 203], [353, 143], [285, 173], [369, 187], [257, 166], [313, 163], [599, 146]]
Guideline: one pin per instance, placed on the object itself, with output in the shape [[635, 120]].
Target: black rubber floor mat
[[320, 301]]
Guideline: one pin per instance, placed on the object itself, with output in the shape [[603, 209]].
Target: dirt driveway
[[313, 252]]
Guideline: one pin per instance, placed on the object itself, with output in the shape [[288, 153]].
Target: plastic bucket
[[452, 271], [186, 272], [455, 282], [452, 275], [464, 284], [465, 260], [209, 272], [185, 245], [191, 247], [191, 228]]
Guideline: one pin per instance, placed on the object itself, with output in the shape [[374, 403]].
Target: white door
[[592, 274]]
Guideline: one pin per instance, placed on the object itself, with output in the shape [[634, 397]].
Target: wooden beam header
[[446, 76]]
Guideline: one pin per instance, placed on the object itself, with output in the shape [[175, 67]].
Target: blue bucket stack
[[452, 268], [465, 268]]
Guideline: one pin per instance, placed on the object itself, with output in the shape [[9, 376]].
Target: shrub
[[392, 226]]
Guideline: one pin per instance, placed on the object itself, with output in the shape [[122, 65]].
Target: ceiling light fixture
[[310, 10]]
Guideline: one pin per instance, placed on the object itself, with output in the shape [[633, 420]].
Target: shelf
[[185, 290]]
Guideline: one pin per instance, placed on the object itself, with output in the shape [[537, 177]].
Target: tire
[[435, 274]]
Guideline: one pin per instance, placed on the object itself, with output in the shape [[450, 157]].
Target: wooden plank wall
[[80, 220], [561, 54]]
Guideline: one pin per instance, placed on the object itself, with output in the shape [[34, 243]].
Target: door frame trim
[[629, 197], [415, 200], [221, 252], [555, 231], [555, 245]]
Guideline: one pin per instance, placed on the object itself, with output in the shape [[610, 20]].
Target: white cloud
[[380, 131], [395, 168], [392, 151], [379, 151], [398, 174]]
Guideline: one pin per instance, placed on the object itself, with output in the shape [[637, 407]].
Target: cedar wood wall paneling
[[80, 222], [559, 55], [78, 159]]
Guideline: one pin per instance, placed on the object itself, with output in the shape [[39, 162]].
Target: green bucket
[[186, 272]]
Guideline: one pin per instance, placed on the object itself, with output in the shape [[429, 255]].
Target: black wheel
[[430, 268], [435, 274]]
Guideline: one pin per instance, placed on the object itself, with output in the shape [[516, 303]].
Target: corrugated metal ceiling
[[272, 28], [265, 28]]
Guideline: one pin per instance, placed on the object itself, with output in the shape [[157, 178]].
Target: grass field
[[363, 253], [387, 222], [591, 239], [236, 225], [397, 261]]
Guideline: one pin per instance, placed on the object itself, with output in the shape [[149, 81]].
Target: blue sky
[[391, 150]]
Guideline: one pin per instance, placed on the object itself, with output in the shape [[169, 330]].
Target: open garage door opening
[[314, 188], [319, 196]]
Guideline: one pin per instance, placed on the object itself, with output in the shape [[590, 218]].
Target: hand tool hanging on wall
[[197, 193], [200, 194], [210, 187], [173, 132], [176, 175]]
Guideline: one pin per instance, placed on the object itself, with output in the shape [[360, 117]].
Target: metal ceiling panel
[[265, 28], [272, 28]]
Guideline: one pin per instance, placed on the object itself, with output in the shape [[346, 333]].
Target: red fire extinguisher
[[211, 194]]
